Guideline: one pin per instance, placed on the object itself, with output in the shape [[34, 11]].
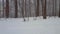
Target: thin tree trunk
[[44, 9], [7, 8], [16, 9], [37, 11], [49, 5], [23, 14], [53, 9], [0, 11], [3, 8], [59, 8], [30, 7], [29, 11]]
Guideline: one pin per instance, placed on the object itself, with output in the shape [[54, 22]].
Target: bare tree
[[0, 9], [44, 9], [7, 8], [3, 7], [29, 9], [59, 8], [16, 9], [23, 9], [37, 11], [30, 6], [53, 13], [55, 7]]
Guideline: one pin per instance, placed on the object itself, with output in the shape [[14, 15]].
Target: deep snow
[[51, 25]]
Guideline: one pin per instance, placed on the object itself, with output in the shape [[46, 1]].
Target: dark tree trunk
[[30, 7], [0, 12], [59, 8], [7, 8], [16, 9], [53, 9], [37, 11], [44, 9]]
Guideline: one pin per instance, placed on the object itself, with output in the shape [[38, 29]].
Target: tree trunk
[[16, 9], [23, 9], [30, 7], [3, 8], [7, 8], [53, 9], [59, 8], [44, 9], [37, 11]]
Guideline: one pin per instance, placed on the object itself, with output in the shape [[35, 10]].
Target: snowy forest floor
[[34, 25]]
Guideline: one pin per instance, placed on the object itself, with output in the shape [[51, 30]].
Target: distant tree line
[[30, 8]]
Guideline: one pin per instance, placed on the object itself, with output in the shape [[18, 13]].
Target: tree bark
[[54, 6], [7, 8], [3, 8], [59, 8], [37, 11], [23, 9], [44, 9], [53, 9], [16, 9], [30, 7]]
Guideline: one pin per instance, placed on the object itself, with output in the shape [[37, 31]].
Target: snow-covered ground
[[51, 25]]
